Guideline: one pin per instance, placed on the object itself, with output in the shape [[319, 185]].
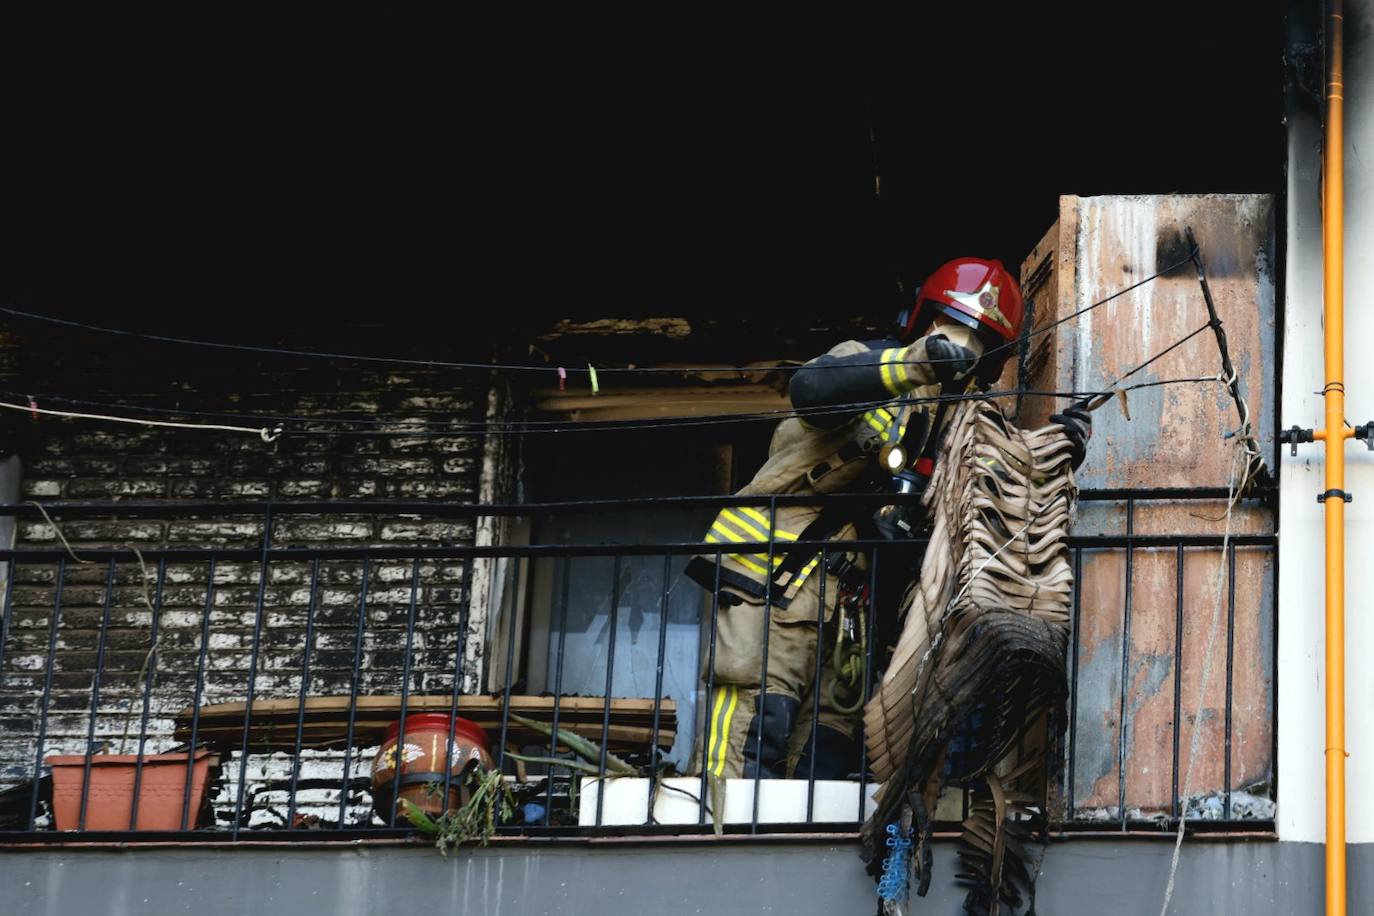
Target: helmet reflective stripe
[[982, 303]]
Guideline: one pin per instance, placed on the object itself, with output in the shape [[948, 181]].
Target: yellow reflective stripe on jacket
[[739, 558], [722, 713], [743, 525], [885, 424], [892, 367], [759, 517], [804, 573]]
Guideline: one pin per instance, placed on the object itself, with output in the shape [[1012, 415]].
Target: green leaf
[[578, 765], [418, 818], [718, 805], [582, 747]]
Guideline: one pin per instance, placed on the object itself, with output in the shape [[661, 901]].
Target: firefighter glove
[[947, 360]]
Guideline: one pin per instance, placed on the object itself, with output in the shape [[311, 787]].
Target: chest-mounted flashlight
[[892, 457]]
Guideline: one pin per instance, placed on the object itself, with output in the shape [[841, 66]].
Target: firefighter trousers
[[748, 728]]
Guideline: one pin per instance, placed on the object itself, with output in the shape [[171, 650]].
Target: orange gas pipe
[[1333, 309]]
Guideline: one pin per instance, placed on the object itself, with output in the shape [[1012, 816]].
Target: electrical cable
[[265, 433], [1160, 355], [528, 426], [188, 412], [147, 602], [465, 428], [1238, 483], [1088, 308], [516, 367]]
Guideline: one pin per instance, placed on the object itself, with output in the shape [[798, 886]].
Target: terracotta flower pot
[[422, 762], [109, 805]]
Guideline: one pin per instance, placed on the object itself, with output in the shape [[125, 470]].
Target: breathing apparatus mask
[[908, 472]]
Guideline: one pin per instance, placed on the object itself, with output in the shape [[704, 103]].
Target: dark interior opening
[[462, 196]]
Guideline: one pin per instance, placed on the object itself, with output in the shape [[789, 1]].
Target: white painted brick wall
[[70, 461]]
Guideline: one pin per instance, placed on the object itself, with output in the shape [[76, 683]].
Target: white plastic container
[[781, 801]]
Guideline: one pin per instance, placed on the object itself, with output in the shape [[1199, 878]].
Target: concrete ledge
[[1120, 877]]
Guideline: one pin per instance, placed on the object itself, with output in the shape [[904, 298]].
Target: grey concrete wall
[[1301, 653], [1123, 878]]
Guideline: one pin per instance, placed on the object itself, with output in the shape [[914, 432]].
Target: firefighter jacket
[[829, 450]]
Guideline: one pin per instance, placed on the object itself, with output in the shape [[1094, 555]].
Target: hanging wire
[[518, 367], [267, 434], [394, 428], [457, 428]]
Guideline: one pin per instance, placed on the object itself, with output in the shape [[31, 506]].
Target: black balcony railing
[[110, 653]]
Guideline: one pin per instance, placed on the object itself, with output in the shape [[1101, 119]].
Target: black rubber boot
[[779, 714], [837, 755]]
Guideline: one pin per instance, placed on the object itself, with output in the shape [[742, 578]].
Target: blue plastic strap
[[896, 867]]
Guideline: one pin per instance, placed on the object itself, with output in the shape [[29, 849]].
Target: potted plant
[[483, 799], [109, 794]]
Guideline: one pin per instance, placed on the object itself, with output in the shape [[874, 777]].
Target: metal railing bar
[[510, 668], [253, 668], [47, 692], [1125, 666], [1178, 673], [62, 623], [658, 684], [824, 573], [95, 694], [201, 659], [708, 718], [610, 680], [304, 691], [353, 684], [435, 509], [1230, 672], [400, 746], [557, 689], [177, 508], [5, 614], [1073, 680], [148, 679], [763, 673], [872, 612], [827, 831], [460, 647], [691, 548]]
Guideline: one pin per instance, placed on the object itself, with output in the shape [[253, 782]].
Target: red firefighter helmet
[[974, 292]]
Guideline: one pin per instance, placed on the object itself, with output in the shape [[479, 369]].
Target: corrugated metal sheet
[[1174, 437]]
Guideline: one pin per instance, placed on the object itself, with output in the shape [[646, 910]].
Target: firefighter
[[866, 421]]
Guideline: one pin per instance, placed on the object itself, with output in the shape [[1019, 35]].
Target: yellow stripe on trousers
[[713, 730], [727, 698]]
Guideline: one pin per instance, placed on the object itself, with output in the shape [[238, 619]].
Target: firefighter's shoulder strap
[[890, 423], [846, 453], [829, 520], [887, 422]]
